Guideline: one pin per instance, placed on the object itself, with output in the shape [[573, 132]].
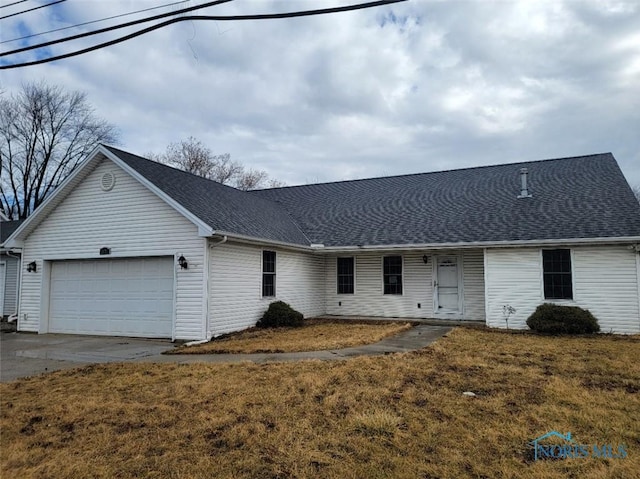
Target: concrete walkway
[[415, 338], [24, 354]]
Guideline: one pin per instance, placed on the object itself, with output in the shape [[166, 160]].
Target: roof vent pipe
[[524, 191]]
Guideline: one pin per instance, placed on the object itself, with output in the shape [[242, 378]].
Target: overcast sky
[[413, 87]]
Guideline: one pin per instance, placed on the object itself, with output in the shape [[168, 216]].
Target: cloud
[[417, 86]]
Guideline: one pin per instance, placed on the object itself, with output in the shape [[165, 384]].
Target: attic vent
[[108, 181], [524, 190]]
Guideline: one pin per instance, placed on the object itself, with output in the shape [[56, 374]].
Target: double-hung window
[[556, 265], [268, 273], [346, 275], [392, 274]]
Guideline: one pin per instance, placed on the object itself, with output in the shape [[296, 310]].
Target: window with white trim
[[268, 273], [556, 266]]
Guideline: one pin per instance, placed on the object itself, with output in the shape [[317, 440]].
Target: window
[[556, 265], [345, 275], [392, 274], [268, 273]]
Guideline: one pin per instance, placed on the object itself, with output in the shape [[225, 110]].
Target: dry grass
[[315, 335], [399, 416]]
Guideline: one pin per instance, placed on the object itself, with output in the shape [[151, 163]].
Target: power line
[[92, 21], [32, 9], [14, 3], [114, 27], [273, 16]]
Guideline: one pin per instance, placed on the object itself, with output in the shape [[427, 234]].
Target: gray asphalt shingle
[[221, 207], [7, 228], [580, 197]]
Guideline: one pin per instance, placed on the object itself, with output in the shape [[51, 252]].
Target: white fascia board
[[261, 241], [16, 240], [203, 228], [11, 244], [484, 244]]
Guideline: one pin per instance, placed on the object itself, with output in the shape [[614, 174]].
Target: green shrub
[[555, 319], [280, 314]]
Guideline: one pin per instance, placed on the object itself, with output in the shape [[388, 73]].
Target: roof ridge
[[437, 172]]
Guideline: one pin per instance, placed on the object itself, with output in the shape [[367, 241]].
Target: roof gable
[[225, 209]]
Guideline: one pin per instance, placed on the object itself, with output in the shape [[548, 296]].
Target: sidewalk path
[[415, 338]]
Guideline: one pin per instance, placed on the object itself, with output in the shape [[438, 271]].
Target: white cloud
[[417, 86]]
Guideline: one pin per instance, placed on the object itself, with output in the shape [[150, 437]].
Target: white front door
[[447, 285]]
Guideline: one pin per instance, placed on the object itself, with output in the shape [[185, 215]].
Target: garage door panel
[[120, 297]]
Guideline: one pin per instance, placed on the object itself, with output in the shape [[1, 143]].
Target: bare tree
[[45, 132], [251, 179], [273, 183], [636, 191], [193, 156]]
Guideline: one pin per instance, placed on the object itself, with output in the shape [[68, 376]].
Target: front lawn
[[314, 335], [395, 416]]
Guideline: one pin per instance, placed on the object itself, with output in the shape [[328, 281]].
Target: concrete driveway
[[25, 354]]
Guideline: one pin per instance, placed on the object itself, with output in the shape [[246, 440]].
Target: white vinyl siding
[[606, 283], [10, 303], [235, 284], [513, 277], [473, 283], [605, 280], [130, 220], [417, 278]]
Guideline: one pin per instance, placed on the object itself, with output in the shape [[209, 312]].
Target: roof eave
[[261, 241], [482, 244]]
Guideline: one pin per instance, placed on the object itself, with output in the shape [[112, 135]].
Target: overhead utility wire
[[14, 3], [115, 27], [206, 17], [92, 21], [32, 9]]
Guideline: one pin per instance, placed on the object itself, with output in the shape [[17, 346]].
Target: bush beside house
[[556, 319], [279, 315]]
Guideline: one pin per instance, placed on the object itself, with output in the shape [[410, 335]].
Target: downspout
[[636, 248], [208, 292], [14, 316]]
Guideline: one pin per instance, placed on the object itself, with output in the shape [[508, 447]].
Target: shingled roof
[[223, 208], [580, 197], [7, 228]]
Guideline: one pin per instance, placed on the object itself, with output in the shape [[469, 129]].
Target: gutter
[[261, 241], [483, 244], [322, 249]]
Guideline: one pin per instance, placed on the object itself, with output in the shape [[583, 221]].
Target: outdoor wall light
[[31, 267], [183, 262], [425, 259]]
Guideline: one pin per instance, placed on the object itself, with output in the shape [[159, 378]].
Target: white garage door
[[115, 297]]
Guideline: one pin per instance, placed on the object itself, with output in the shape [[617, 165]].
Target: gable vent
[[524, 189], [108, 181]]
